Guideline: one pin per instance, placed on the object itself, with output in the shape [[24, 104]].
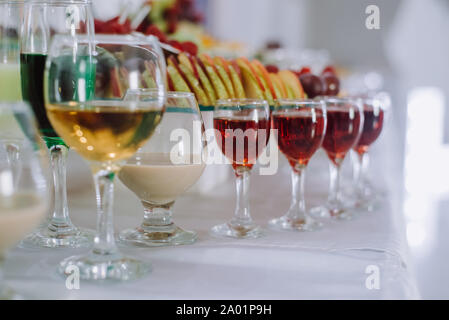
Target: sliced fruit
[[264, 74], [219, 87], [237, 82], [216, 63], [234, 86], [264, 87], [179, 84], [252, 87], [205, 82], [195, 85], [278, 86], [292, 83]]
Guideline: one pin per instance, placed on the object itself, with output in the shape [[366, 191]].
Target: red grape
[[331, 84], [312, 84]]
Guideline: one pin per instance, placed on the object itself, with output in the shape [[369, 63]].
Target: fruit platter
[[192, 66]]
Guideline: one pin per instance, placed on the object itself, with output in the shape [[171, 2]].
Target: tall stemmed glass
[[42, 19], [242, 131], [301, 125], [85, 83], [10, 23], [23, 182], [375, 110], [344, 124], [164, 168]]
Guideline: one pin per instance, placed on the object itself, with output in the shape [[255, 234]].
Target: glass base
[[44, 237], [332, 212], [286, 223], [157, 236], [95, 267], [241, 232]]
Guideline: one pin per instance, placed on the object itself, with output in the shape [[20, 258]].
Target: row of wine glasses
[[338, 125]]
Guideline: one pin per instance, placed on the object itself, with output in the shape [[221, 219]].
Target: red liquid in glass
[[372, 126], [299, 136], [341, 133], [246, 144]]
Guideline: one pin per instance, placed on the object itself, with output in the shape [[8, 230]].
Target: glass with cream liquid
[[23, 185], [163, 169]]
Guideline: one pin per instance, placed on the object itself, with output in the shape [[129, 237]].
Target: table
[[333, 263]]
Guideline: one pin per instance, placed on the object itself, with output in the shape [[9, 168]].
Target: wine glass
[[375, 110], [344, 124], [301, 126], [23, 185], [242, 132], [164, 168], [42, 19], [85, 83], [10, 23]]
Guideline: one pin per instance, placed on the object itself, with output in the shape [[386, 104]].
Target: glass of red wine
[[374, 111], [41, 20], [344, 124], [301, 126], [242, 132]]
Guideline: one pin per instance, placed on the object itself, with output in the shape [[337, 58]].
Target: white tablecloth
[[328, 264]]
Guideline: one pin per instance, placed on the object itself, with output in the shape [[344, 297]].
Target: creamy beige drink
[[19, 215], [155, 179]]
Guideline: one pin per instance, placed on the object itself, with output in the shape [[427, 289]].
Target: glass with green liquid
[[41, 20]]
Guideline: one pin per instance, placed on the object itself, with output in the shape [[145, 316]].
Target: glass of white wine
[[23, 180], [85, 83], [164, 168]]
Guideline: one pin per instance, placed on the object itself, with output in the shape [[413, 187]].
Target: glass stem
[[104, 242], [156, 216], [334, 187], [242, 213], [298, 204], [60, 221]]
